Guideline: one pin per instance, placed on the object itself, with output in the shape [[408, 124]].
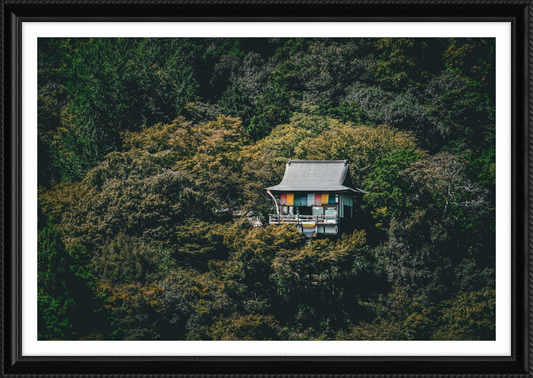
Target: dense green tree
[[69, 308], [127, 260], [247, 327], [464, 117], [473, 58], [192, 302], [115, 85], [407, 62], [277, 102], [389, 194]]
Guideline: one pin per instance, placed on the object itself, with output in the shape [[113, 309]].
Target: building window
[[330, 210], [318, 210]]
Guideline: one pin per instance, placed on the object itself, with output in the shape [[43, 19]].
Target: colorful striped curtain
[[311, 199], [325, 199], [290, 199], [283, 199], [303, 199], [318, 199], [297, 200], [331, 199]]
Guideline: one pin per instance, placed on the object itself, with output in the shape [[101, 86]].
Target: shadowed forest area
[[154, 153]]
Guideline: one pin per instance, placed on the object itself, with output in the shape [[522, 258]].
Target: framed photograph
[[258, 188]]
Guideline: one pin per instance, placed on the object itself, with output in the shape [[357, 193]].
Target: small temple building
[[317, 196]]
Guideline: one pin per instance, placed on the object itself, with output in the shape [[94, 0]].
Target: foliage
[[193, 302], [470, 317], [248, 327], [68, 306], [362, 146], [275, 105], [407, 62], [472, 58], [127, 259]]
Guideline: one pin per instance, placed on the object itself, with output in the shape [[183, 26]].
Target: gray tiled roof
[[316, 176]]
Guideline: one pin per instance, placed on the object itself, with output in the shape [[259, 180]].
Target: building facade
[[317, 196]]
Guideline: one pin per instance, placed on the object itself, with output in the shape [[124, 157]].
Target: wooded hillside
[[148, 147]]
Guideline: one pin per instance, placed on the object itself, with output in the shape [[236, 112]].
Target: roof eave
[[343, 190]]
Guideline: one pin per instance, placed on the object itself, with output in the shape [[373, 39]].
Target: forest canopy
[[153, 159]]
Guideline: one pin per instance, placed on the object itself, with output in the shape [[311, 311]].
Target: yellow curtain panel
[[325, 199], [290, 199]]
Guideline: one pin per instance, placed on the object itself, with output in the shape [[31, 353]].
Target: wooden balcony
[[299, 219]]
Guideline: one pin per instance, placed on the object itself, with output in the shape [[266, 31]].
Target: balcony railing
[[299, 219]]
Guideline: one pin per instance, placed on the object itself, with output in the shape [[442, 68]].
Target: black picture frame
[[519, 13]]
